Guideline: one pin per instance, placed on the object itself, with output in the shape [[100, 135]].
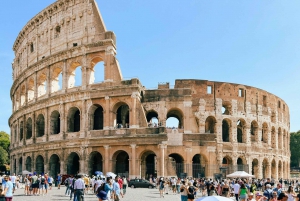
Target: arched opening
[[280, 175], [198, 166], [74, 120], [121, 159], [273, 169], [265, 168], [152, 119], [254, 131], [39, 165], [95, 163], [226, 130], [15, 166], [54, 165], [280, 139], [241, 126], [21, 130], [55, 122], [23, 95], [210, 125], [174, 119], [40, 126], [148, 168], [29, 128], [97, 71], [30, 90], [98, 118], [227, 167], [42, 85], [75, 75], [56, 82], [20, 164], [28, 164], [273, 137], [240, 165], [175, 165], [122, 116], [226, 108], [73, 164], [264, 133], [255, 168]]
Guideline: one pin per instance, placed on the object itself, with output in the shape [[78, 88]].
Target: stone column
[[64, 76], [107, 121], [186, 121], [260, 169], [63, 121], [106, 158], [23, 162], [188, 162], [132, 166], [33, 127], [47, 124], [82, 166], [276, 170], [48, 82], [133, 120], [161, 165], [269, 170], [35, 87]]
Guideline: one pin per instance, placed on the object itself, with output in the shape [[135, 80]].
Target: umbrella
[[240, 174], [214, 198], [98, 173], [26, 172], [111, 174]]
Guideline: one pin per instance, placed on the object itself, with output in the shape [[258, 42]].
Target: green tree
[[295, 149], [4, 140], [3, 156]]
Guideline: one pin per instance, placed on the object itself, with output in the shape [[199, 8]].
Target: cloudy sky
[[255, 43]]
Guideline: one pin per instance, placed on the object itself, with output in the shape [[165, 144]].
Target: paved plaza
[[137, 194]]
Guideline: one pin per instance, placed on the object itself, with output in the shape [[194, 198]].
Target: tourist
[[277, 189], [191, 192], [274, 196], [243, 192], [46, 183], [27, 184], [108, 187], [13, 181], [101, 194], [7, 189], [116, 191], [250, 197], [290, 193], [236, 188], [42, 185], [79, 187], [259, 197], [125, 183], [183, 192], [225, 189], [58, 180], [282, 197], [50, 182], [173, 183], [67, 185], [34, 184]]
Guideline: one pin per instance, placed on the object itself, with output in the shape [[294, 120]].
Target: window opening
[[209, 89]]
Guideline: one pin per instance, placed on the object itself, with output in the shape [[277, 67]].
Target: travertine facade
[[59, 127]]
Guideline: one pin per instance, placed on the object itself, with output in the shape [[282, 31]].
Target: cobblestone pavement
[[138, 194]]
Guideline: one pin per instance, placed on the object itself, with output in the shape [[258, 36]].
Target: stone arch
[[30, 90], [54, 122], [280, 139], [175, 164], [29, 128], [72, 73], [28, 164], [42, 84], [39, 164], [15, 133], [241, 163], [56, 79], [210, 124], [21, 130], [122, 111], [73, 163], [255, 167], [226, 130], [97, 64], [54, 165], [152, 118], [254, 131], [227, 166], [40, 125], [73, 120], [264, 132], [273, 137], [20, 165], [96, 117], [121, 162], [241, 131], [273, 169], [23, 95], [198, 165], [265, 170], [148, 167], [95, 162], [178, 114]]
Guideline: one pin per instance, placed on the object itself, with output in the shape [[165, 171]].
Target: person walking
[[236, 188], [243, 192], [8, 189], [125, 183], [79, 187], [183, 191]]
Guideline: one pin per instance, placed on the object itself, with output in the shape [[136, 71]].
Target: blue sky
[[254, 43]]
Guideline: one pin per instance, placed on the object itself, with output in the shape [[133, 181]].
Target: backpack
[[67, 182], [100, 188], [268, 193], [42, 181]]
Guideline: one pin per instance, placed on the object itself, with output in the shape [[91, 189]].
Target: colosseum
[[62, 125]]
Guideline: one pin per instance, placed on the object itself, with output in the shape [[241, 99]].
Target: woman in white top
[[291, 194]]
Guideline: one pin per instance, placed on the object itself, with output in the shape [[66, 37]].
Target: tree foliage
[[3, 156], [4, 148], [295, 149]]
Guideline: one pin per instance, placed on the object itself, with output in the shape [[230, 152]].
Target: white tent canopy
[[240, 174], [26, 172]]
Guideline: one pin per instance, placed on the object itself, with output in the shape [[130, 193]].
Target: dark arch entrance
[[148, 169], [54, 165], [95, 163], [98, 118], [39, 165], [40, 125], [55, 122], [123, 116], [73, 164], [74, 120], [20, 164], [122, 163], [225, 131], [28, 164], [177, 164], [29, 128], [198, 166], [240, 166]]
